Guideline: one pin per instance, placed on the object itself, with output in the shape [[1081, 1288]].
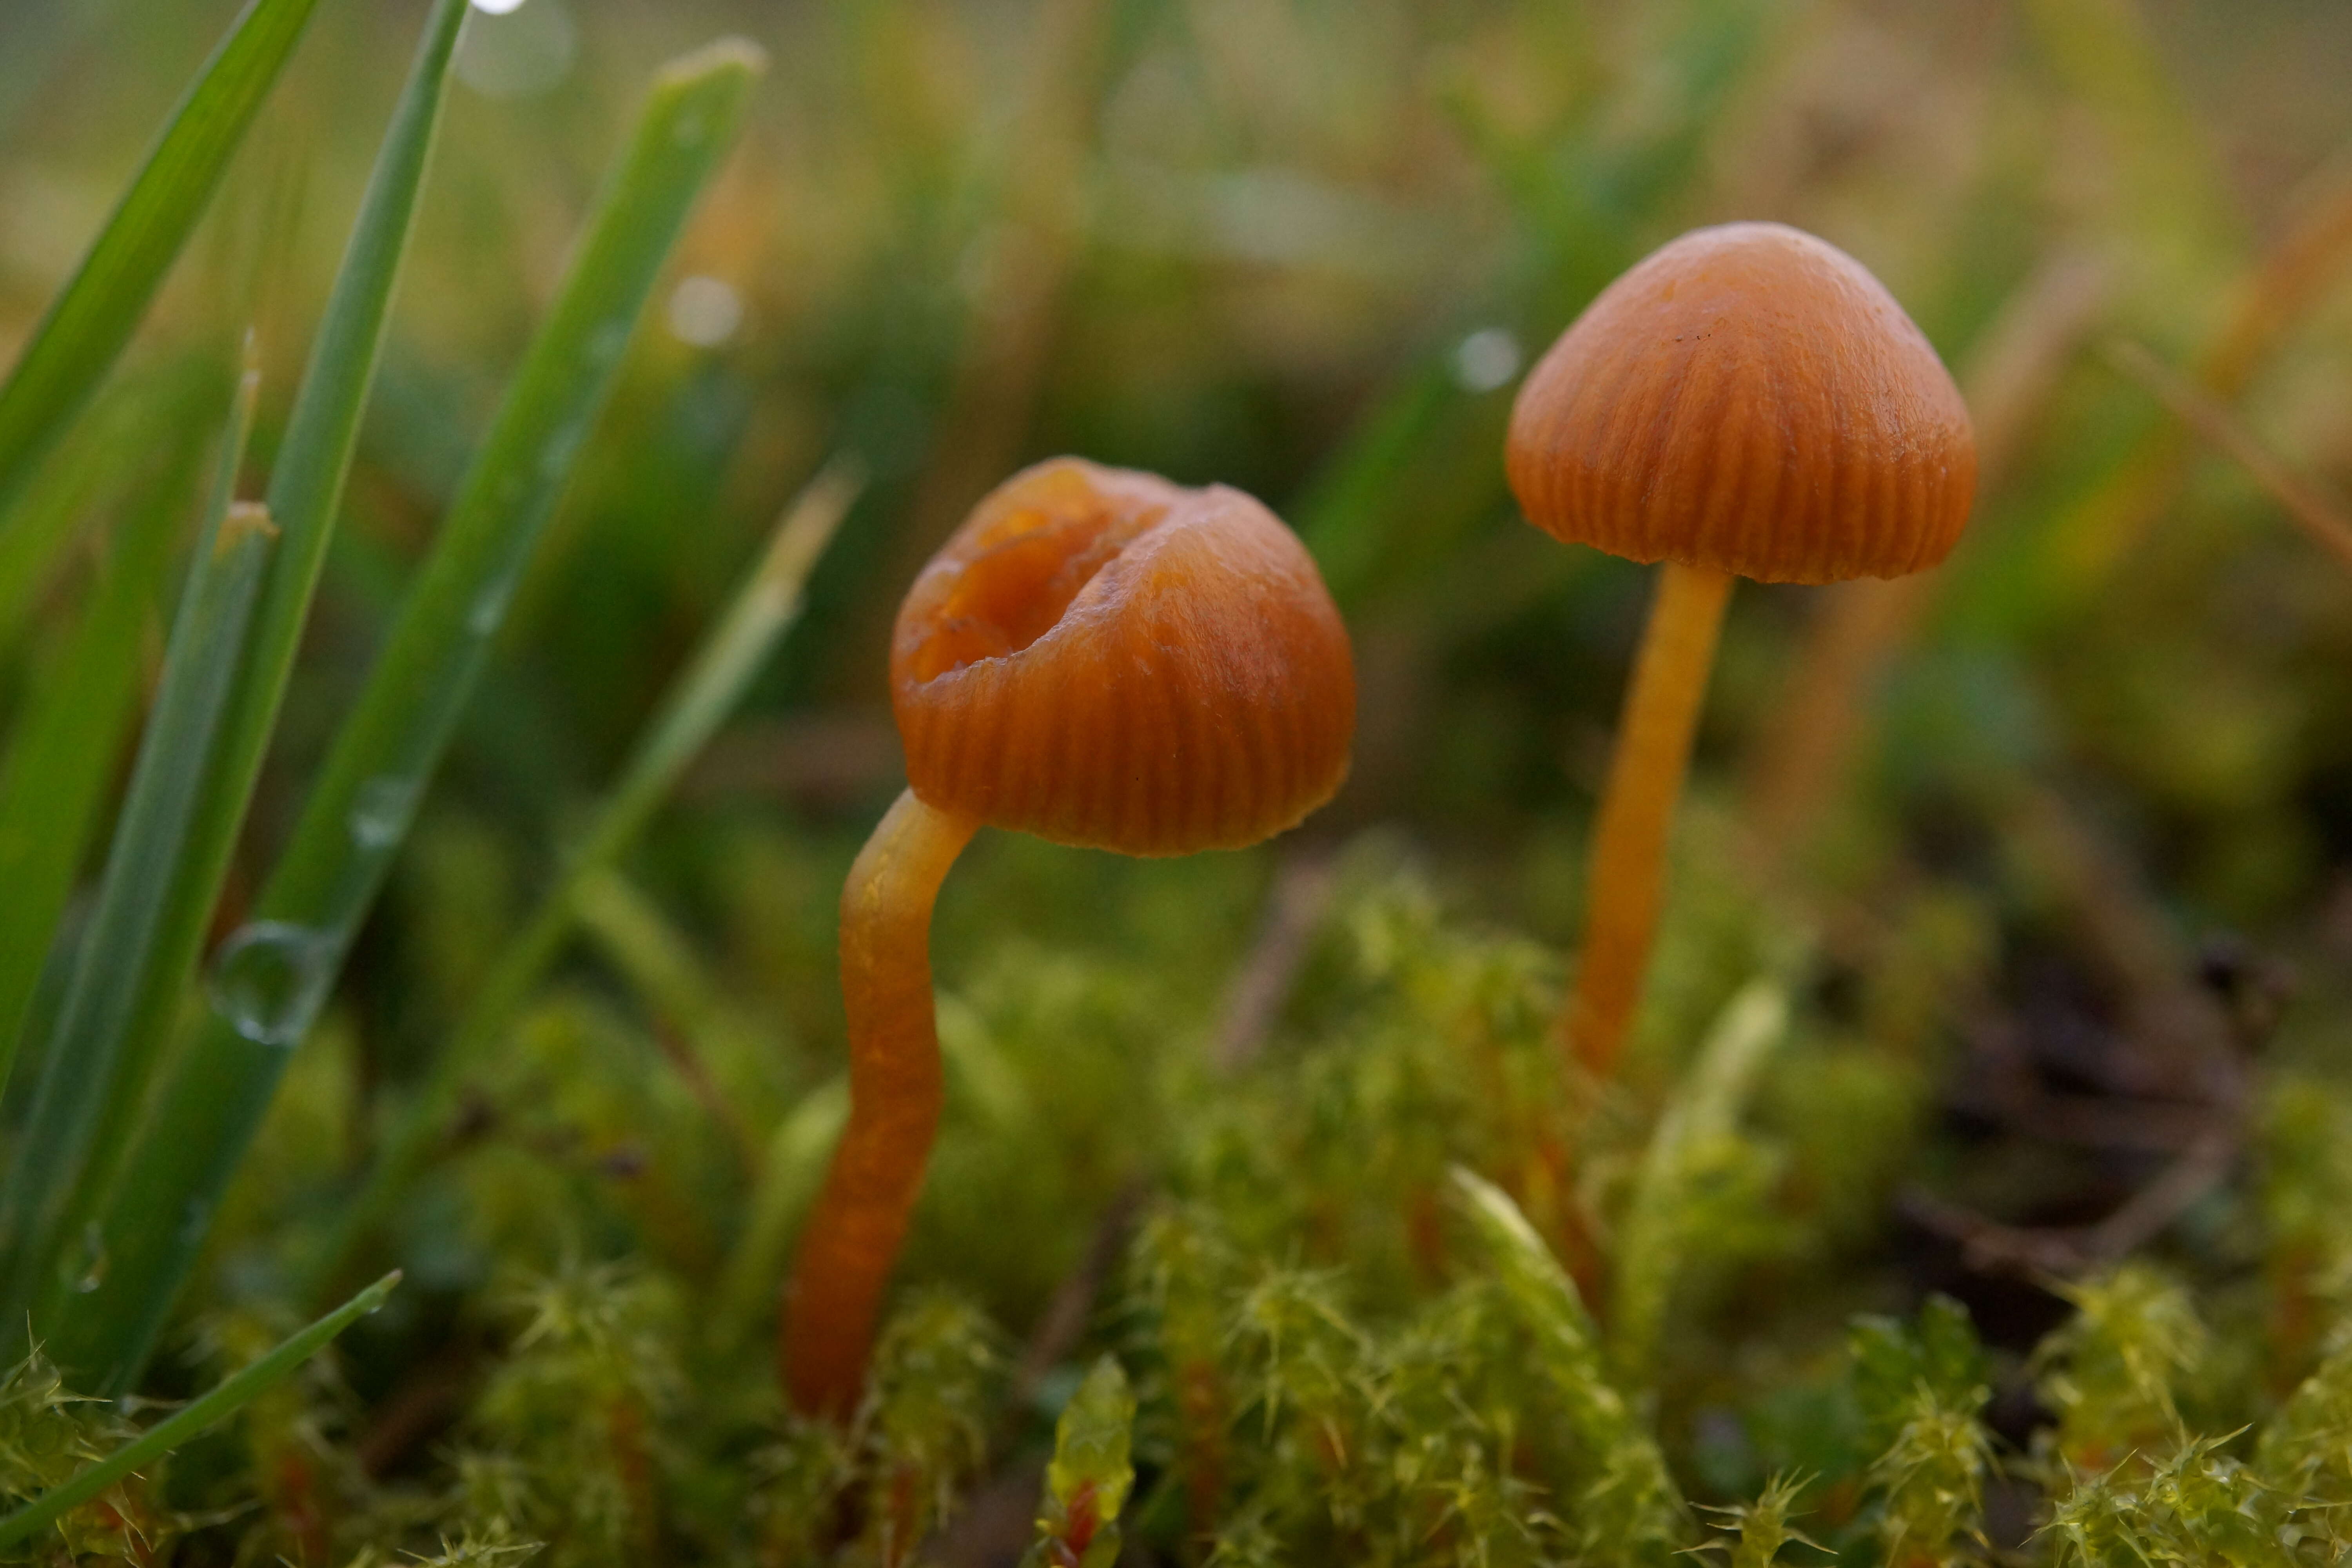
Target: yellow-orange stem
[[1637, 807], [835, 1293]]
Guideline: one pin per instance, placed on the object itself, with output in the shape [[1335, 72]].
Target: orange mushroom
[[1097, 657], [1748, 400]]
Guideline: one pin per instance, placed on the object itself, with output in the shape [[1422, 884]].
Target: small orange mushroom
[[1097, 657], [1747, 401]]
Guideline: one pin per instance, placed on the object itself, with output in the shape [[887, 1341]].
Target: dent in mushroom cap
[[1748, 398], [1102, 657]]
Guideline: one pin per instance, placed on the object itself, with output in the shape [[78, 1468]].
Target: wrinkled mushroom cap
[[1101, 658], [1748, 398]]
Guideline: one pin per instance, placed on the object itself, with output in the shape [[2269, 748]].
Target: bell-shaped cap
[[1102, 657], [1748, 398]]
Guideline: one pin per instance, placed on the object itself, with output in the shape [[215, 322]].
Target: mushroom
[[1097, 657], [1747, 401]]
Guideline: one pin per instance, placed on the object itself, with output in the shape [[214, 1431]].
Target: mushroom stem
[[1637, 807], [835, 1292]]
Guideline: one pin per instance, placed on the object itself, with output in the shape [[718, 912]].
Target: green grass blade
[[790, 1173], [69, 736], [1699, 1127], [85, 1057], [1631, 1510], [306, 488], [64, 495], [94, 1056], [358, 813], [89, 321], [273, 975], [236, 1392], [691, 712]]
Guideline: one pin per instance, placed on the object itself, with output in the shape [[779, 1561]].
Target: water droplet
[[704, 311], [689, 129], [1486, 359], [489, 606], [90, 1264], [511, 49], [270, 979], [194, 1217], [380, 810]]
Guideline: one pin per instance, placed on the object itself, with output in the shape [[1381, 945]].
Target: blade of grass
[[92, 1036], [358, 813], [2299, 497], [68, 738], [274, 974], [694, 1029], [1699, 1121], [797, 1153], [62, 498], [305, 491], [697, 703], [1631, 1506], [236, 1391], [92, 318]]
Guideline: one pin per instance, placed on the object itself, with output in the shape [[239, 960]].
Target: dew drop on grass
[[489, 606], [557, 454], [89, 1266], [380, 810], [270, 978]]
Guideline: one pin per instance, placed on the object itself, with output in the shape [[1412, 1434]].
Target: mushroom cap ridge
[[1102, 657], [1748, 398]]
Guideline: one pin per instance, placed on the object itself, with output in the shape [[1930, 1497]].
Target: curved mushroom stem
[[835, 1292], [1637, 808]]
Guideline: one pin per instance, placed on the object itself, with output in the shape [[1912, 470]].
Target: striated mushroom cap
[[1748, 398], [1102, 657]]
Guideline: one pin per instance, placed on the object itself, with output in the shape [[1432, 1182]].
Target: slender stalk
[[835, 1292], [1637, 807]]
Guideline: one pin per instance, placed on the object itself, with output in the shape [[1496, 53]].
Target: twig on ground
[[1064, 1322], [1302, 893]]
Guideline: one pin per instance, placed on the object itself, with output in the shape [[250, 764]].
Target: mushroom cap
[[1748, 398], [1102, 657]]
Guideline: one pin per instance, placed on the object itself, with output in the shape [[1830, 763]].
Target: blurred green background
[[1303, 249]]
